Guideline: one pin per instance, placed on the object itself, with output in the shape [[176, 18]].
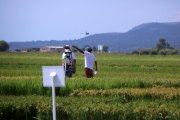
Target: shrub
[[153, 52], [167, 52], [145, 51]]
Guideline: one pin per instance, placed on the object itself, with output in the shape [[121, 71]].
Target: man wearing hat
[[89, 60], [69, 61]]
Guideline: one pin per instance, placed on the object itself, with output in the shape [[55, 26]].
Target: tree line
[[162, 48], [4, 46]]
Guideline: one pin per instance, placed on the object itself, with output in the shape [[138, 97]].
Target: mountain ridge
[[142, 36]]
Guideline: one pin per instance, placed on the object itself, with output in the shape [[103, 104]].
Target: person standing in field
[[89, 60], [69, 61]]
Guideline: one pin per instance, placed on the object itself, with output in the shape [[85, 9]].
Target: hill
[[142, 36]]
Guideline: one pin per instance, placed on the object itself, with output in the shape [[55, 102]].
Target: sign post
[[53, 76]]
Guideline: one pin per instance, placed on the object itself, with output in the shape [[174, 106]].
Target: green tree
[[4, 45], [105, 48], [162, 44]]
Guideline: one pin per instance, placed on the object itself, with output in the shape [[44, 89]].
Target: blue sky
[[27, 20]]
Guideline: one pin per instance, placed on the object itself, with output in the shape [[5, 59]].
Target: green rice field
[[127, 87]]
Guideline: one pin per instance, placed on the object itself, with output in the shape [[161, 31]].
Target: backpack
[[68, 63], [68, 58]]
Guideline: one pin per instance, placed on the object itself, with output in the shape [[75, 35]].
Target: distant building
[[51, 49], [28, 50]]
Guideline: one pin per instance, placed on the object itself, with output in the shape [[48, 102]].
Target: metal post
[[53, 74]]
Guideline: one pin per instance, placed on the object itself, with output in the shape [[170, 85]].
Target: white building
[[51, 49], [100, 47]]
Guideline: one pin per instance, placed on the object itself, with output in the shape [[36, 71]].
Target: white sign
[[49, 71], [100, 47]]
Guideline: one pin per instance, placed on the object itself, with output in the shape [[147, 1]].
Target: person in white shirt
[[69, 61], [89, 60]]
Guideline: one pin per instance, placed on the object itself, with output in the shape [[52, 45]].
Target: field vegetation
[[127, 87]]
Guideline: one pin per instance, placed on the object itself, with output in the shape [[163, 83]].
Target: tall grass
[[85, 108], [21, 73], [126, 87]]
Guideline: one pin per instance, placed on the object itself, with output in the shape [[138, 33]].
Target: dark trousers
[[88, 73]]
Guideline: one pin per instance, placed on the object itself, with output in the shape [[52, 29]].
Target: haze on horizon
[[28, 20]]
